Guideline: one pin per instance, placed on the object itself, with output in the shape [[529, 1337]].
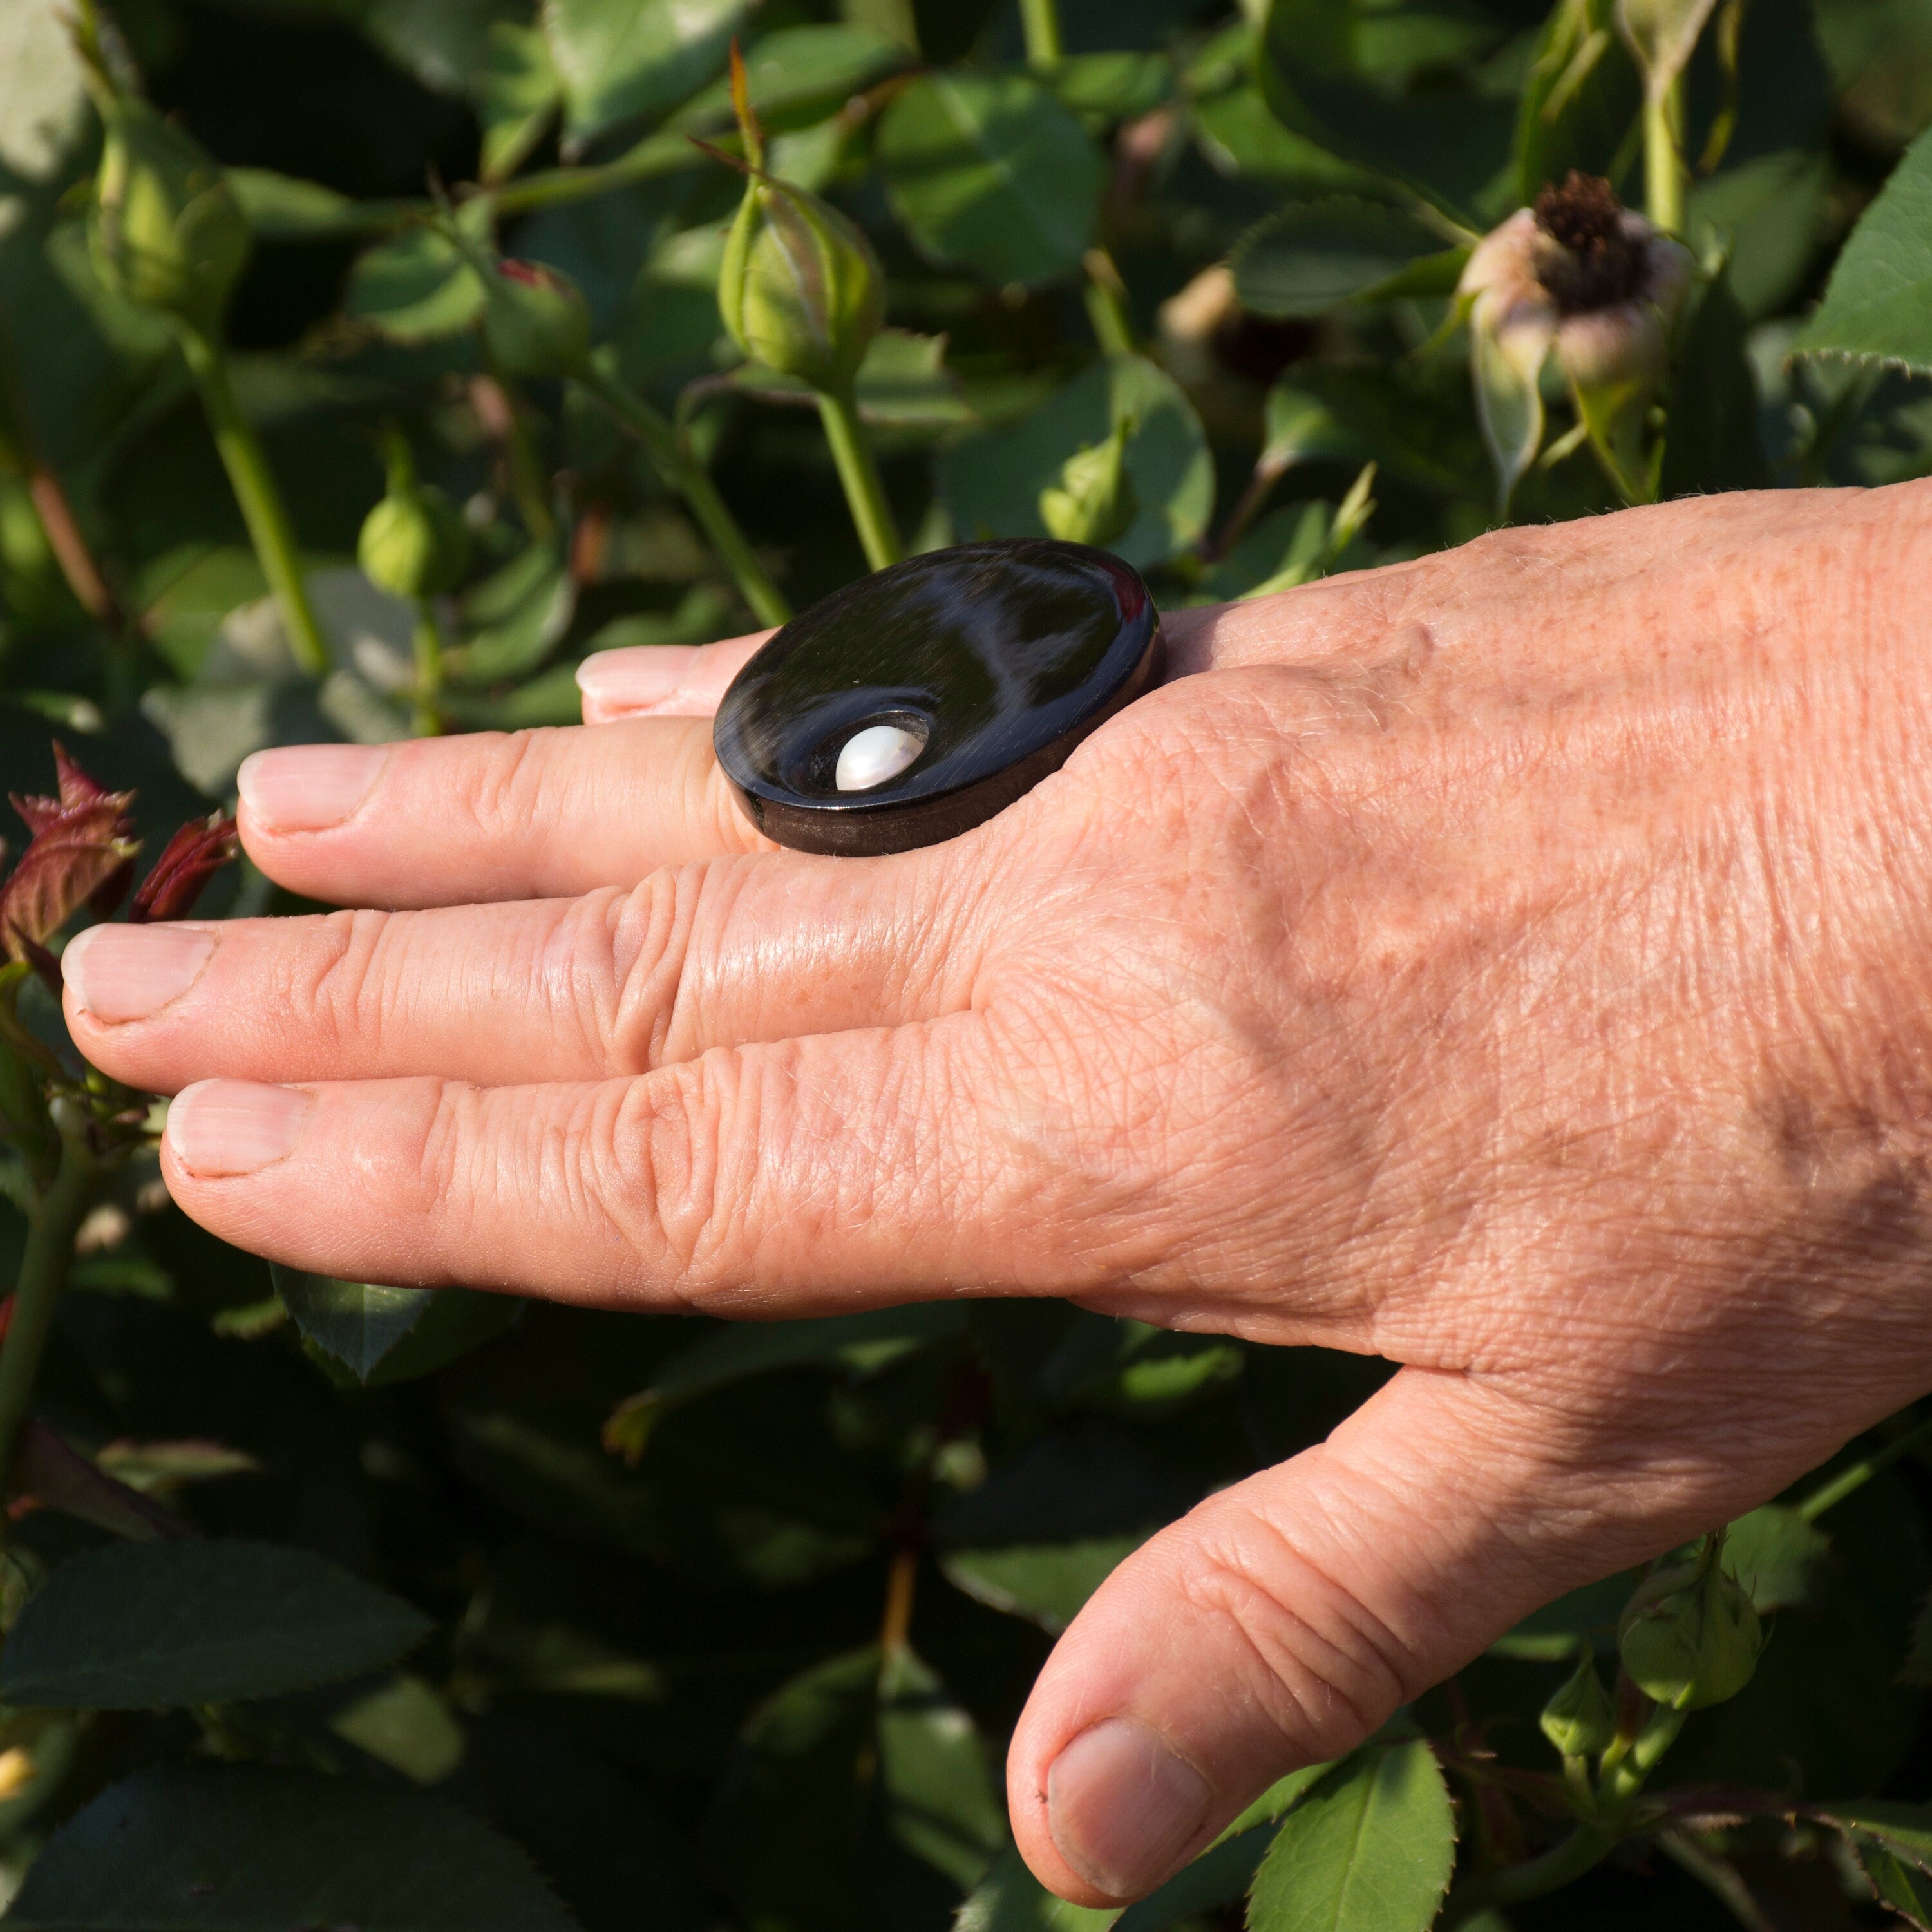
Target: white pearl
[[872, 756]]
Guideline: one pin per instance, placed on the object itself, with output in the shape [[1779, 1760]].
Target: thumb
[[1280, 1622]]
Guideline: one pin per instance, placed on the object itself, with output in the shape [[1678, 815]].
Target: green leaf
[[515, 618], [1369, 1849], [382, 1335], [1041, 1533], [1579, 99], [240, 1848], [1878, 304], [1010, 1899], [516, 91], [1905, 1830], [1241, 136], [444, 43], [282, 207], [991, 483], [620, 59], [861, 1345], [1047, 1583], [1904, 1887], [1340, 72], [1199, 1892], [1278, 1800], [933, 1772], [990, 172], [859, 1780], [1879, 53], [1768, 214], [135, 1626], [1112, 86], [1777, 1556], [799, 75], [1574, 1622], [416, 288], [1314, 255], [903, 384]]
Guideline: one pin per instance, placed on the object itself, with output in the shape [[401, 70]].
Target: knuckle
[[657, 1162], [1326, 1669], [654, 938], [342, 991], [508, 788]]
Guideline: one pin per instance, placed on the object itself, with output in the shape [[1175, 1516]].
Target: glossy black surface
[[1006, 654]]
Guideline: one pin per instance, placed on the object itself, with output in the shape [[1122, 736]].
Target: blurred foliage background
[[331, 1604]]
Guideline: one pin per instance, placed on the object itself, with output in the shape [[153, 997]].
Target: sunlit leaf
[[622, 59], [1878, 304], [991, 171], [991, 483], [1369, 1849]]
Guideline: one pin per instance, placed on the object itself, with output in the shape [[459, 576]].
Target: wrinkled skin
[[1513, 963]]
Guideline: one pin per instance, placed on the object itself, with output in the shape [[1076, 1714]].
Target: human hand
[[1514, 963]]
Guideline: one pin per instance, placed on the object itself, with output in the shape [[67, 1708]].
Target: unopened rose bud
[[801, 290], [536, 323], [166, 232], [1690, 1635], [1093, 502], [414, 543], [1580, 1721]]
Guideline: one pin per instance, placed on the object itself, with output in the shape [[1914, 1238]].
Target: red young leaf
[[197, 851], [82, 843]]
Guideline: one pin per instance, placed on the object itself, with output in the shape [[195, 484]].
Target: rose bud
[[1093, 501], [536, 323]]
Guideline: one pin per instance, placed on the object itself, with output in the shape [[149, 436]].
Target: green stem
[[1828, 1494], [1107, 304], [1624, 1780], [56, 1219], [852, 452], [1585, 1847], [261, 502], [689, 479], [1663, 156], [1039, 20], [527, 482], [427, 638]]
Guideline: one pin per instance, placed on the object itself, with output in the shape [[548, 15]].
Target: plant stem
[[1107, 304], [895, 1625], [1585, 1847], [70, 547], [1829, 1493], [427, 638], [689, 479], [261, 502], [1622, 1781], [1663, 156], [55, 1219], [500, 408], [852, 452], [1040, 21]]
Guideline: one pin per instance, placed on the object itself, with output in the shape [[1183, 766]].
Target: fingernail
[[120, 973], [220, 1127], [637, 678], [308, 787], [1123, 1806]]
